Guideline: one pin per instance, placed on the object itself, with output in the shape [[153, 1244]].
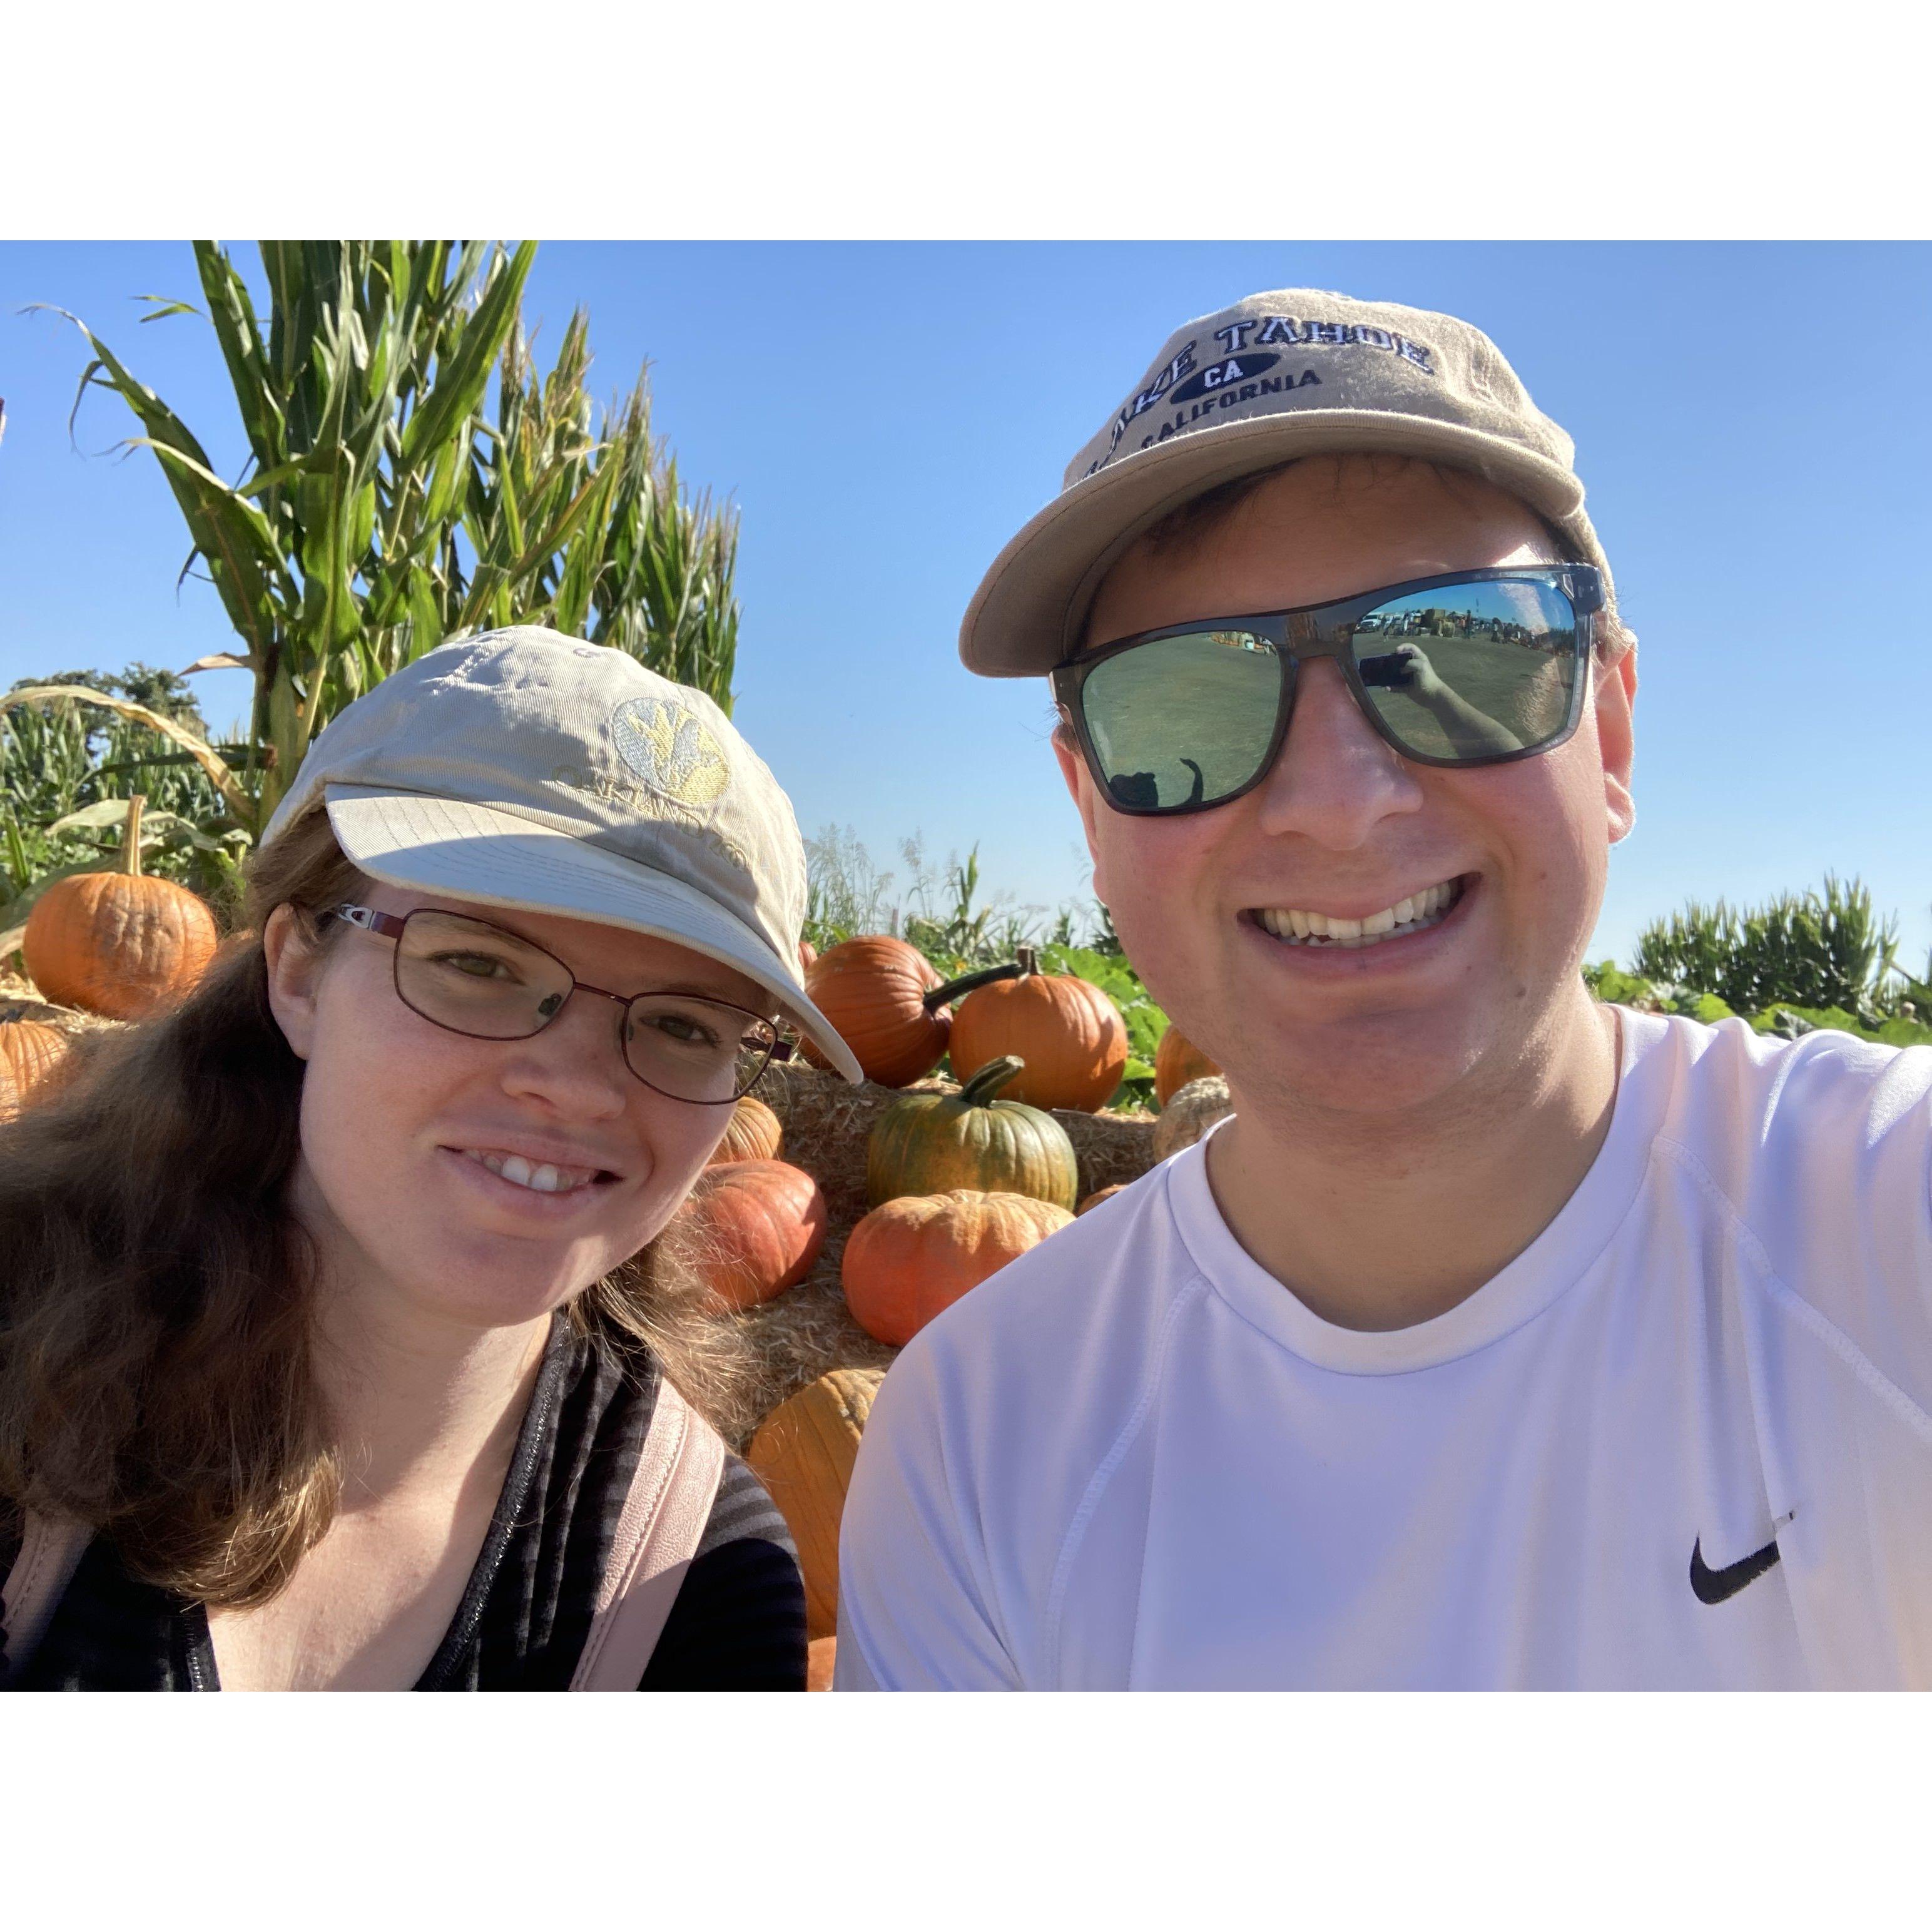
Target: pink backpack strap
[[663, 1520], [50, 1548]]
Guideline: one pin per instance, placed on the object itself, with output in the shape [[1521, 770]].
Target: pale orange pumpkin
[[888, 1005], [821, 1659], [35, 1053], [1069, 1033], [119, 944], [753, 1132], [910, 1258], [1176, 1062], [1193, 1111], [1099, 1195], [803, 1453], [753, 1229]]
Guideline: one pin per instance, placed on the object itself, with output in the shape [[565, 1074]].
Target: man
[[1501, 1338]]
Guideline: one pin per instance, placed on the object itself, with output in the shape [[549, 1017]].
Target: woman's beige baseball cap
[[522, 769], [1291, 373]]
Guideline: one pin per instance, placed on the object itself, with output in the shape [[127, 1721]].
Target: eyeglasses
[[473, 978], [1478, 667]]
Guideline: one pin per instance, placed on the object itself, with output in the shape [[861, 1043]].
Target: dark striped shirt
[[738, 1622]]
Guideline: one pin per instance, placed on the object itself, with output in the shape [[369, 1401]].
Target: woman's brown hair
[[155, 1293]]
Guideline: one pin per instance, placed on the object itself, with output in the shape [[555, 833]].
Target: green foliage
[[1816, 950], [1608, 981], [384, 508], [67, 766]]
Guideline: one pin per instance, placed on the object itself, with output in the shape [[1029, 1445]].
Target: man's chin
[[1380, 1066]]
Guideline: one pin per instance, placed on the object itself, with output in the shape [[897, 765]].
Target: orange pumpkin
[[33, 1053], [907, 1260], [755, 1228], [752, 1133], [807, 953], [803, 1453], [119, 944], [10, 1093], [1068, 1031], [1176, 1062], [888, 1005], [1100, 1194], [928, 1143], [821, 1659]]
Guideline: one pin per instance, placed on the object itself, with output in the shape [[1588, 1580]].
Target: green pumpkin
[[931, 1143]]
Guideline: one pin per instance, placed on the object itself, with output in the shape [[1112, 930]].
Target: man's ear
[[1615, 702], [294, 962], [1080, 784]]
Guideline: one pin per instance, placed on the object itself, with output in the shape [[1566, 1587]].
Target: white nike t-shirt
[[1133, 1459]]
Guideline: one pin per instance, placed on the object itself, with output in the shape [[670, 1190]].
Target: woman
[[334, 1350]]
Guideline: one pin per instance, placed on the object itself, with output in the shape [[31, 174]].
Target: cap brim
[[1025, 617], [461, 851]]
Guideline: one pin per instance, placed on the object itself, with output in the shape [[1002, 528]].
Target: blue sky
[[1751, 421]]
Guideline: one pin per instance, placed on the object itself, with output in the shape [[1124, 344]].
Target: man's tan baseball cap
[[522, 769], [1281, 375]]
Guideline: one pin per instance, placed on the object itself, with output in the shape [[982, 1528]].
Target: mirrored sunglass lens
[[475, 978], [695, 1049], [1185, 720], [1471, 669]]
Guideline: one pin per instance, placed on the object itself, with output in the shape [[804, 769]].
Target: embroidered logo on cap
[[671, 749]]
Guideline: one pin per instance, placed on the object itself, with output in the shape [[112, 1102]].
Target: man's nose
[[1333, 780]]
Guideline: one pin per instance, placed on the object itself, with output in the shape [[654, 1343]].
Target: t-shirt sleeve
[[913, 1591], [738, 1623]]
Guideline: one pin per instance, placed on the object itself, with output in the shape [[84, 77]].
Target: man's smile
[[1416, 912]]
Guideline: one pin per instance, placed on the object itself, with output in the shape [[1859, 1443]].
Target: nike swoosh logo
[[1715, 1586]]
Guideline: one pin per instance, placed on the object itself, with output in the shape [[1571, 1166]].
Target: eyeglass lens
[[476, 979], [1472, 670], [1184, 720], [1464, 671]]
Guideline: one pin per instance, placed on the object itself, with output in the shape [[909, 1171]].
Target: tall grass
[[1813, 949], [385, 508]]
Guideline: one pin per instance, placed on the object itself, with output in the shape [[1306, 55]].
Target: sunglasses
[[486, 982], [1478, 668]]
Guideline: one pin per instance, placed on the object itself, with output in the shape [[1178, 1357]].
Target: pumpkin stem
[[956, 989], [980, 1090], [1029, 959], [131, 837]]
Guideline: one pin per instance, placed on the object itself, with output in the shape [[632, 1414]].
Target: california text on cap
[[1288, 373]]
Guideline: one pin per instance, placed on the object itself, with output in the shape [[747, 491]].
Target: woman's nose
[[576, 1064]]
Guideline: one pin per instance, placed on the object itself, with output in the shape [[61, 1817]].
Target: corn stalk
[[382, 511]]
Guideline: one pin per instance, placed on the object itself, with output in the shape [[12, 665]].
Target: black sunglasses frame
[[1312, 631], [388, 926]]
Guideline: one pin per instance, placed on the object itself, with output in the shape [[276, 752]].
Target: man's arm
[[914, 1587]]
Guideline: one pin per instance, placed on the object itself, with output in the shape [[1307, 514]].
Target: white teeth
[[540, 1177], [1416, 914]]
